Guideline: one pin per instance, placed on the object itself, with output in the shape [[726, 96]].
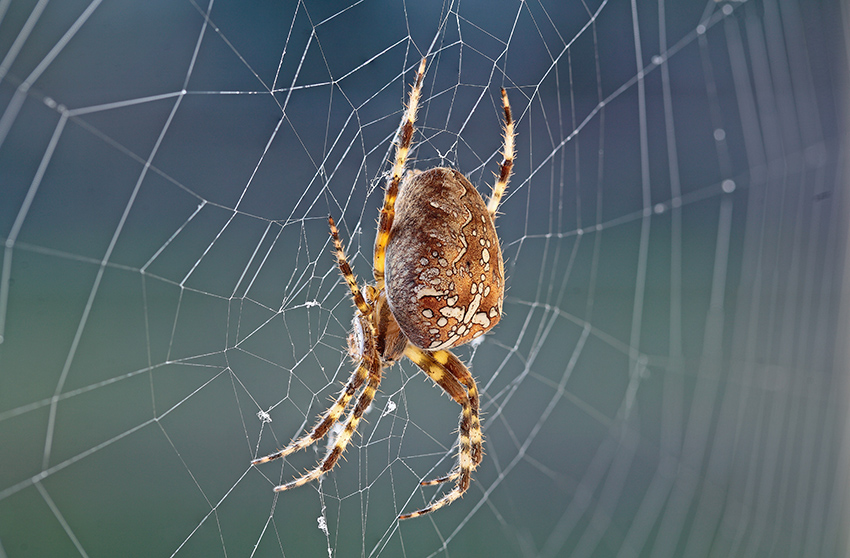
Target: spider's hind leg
[[405, 139], [508, 162]]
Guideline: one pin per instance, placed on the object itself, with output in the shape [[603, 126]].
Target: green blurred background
[[665, 381]]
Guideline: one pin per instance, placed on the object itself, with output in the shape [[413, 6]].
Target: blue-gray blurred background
[[668, 379]]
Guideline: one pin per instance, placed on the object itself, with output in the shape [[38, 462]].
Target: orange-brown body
[[444, 271]]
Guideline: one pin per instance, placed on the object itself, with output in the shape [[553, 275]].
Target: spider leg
[[363, 402], [345, 269], [405, 139], [357, 379], [507, 163], [327, 421], [457, 369], [446, 380], [461, 373]]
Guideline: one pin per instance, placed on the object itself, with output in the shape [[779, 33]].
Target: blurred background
[[670, 374]]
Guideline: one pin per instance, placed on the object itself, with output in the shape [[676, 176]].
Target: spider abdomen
[[444, 270]]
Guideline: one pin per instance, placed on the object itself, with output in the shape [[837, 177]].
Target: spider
[[439, 283]]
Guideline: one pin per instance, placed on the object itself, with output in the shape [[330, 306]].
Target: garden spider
[[439, 283]]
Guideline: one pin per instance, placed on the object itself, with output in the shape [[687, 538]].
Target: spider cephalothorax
[[439, 283]]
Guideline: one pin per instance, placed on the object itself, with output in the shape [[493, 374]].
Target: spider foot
[[270, 457], [448, 497], [291, 448], [450, 477], [302, 480], [444, 501]]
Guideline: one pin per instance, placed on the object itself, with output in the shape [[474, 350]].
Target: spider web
[[665, 380]]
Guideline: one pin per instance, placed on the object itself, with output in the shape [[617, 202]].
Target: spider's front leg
[[476, 438], [373, 363], [461, 373], [324, 425], [441, 367], [358, 378]]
